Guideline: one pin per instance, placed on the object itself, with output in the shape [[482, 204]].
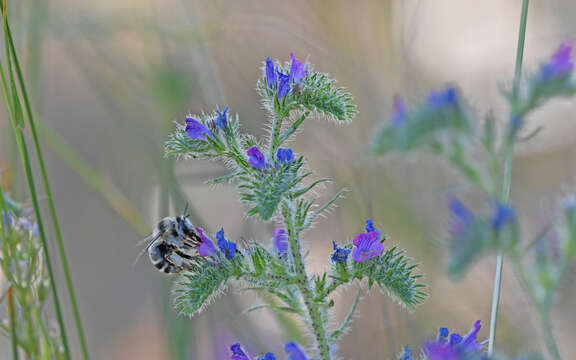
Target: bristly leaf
[[319, 93], [199, 286], [390, 271]]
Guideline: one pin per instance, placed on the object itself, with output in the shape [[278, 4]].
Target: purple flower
[[271, 77], [6, 220], [227, 247], [368, 246], [406, 354], [503, 214], [196, 130], [280, 241], [222, 120], [297, 70], [340, 254], [285, 156], [400, 113], [561, 64], [283, 85], [462, 217], [453, 346], [207, 247], [443, 99], [238, 353], [294, 352], [256, 159]]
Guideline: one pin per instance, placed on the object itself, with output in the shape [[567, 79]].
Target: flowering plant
[[483, 154], [275, 185]]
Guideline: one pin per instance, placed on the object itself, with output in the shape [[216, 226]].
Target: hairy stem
[[274, 143], [507, 178], [315, 315]]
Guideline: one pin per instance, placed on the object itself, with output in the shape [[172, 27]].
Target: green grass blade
[[11, 51]]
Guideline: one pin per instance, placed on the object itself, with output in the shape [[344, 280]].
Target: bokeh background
[[108, 79]]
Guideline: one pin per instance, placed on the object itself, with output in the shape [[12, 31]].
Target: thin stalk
[[48, 192], [303, 284], [507, 178]]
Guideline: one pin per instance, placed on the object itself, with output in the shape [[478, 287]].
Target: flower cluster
[[281, 83]]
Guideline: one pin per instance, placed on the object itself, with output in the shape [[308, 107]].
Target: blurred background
[[109, 78]]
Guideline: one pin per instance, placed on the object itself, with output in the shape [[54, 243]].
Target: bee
[[171, 244]]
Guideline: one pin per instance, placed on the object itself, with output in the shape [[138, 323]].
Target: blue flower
[[294, 352], [370, 228], [297, 70], [227, 247], [443, 99], [283, 85], [399, 117], [256, 159], [267, 356], [280, 241], [503, 214], [560, 65], [238, 353], [340, 254], [406, 354], [196, 130], [285, 156], [222, 120], [271, 77]]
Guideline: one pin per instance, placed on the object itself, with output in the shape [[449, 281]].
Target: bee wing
[[150, 239]]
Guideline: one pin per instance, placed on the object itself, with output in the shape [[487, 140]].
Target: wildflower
[[503, 214], [238, 353], [340, 254], [271, 77], [406, 354], [227, 247], [221, 120], [297, 70], [283, 85], [462, 217], [443, 99], [256, 159], [453, 346], [285, 156], [196, 130], [280, 241], [560, 65], [368, 245], [294, 352], [399, 116], [207, 247]]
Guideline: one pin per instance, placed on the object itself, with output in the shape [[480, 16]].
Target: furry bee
[[171, 244]]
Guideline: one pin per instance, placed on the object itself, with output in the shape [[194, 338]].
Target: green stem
[[544, 315], [315, 315], [48, 194], [13, 336], [507, 178]]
